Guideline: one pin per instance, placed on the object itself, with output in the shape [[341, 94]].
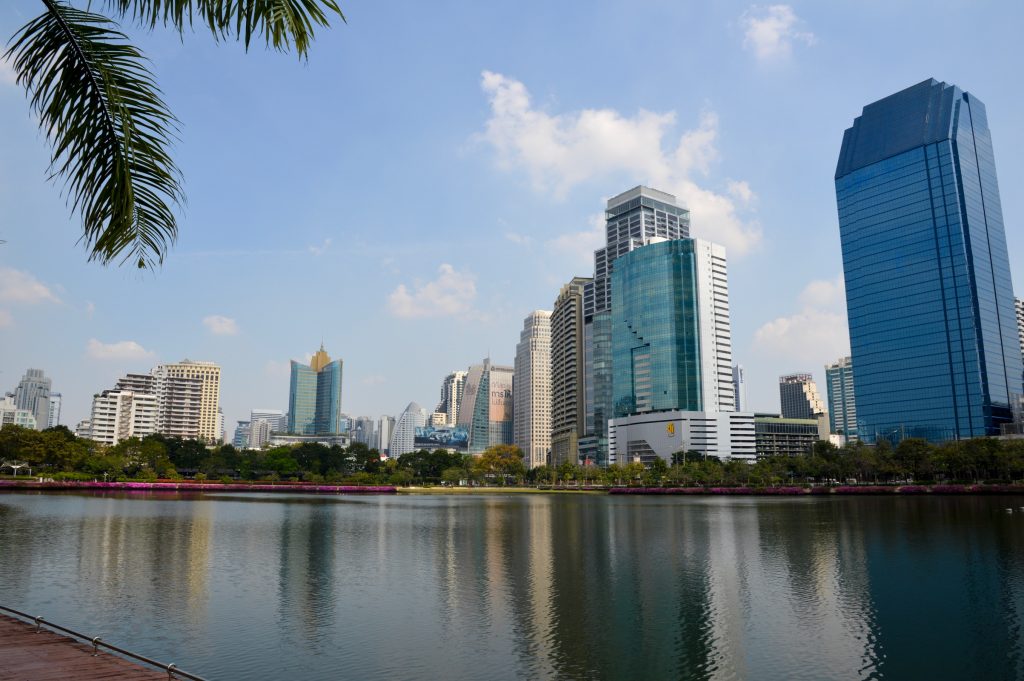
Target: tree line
[[59, 454]]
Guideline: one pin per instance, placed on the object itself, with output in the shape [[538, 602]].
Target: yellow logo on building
[[670, 428]]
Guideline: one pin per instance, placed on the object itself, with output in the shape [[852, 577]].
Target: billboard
[[455, 438]]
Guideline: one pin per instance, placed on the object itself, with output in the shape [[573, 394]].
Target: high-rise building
[[739, 388], [33, 394], [531, 389], [385, 429], [632, 219], [363, 430], [842, 408], [568, 391], [672, 381], [799, 397], [179, 400], [241, 438], [11, 415], [1018, 305], [56, 401], [208, 373], [259, 433], [121, 414], [314, 398], [451, 396], [277, 419], [671, 336], [933, 338], [779, 436], [403, 440], [487, 406]]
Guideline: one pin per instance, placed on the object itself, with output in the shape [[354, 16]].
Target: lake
[[250, 586]]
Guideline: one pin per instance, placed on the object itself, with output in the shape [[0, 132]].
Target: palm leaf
[[102, 112], [281, 23]]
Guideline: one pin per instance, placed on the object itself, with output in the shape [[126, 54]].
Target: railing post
[[39, 618], [95, 646], [170, 670]]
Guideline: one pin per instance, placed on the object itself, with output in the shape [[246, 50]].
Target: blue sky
[[436, 170]]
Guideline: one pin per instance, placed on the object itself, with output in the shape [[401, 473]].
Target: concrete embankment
[[195, 487]]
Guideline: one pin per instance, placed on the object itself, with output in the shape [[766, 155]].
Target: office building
[[1018, 305], [179, 400], [11, 415], [739, 388], [451, 396], [260, 431], [277, 419], [121, 414], [33, 394], [842, 408], [531, 389], [363, 430], [660, 434], [56, 401], [933, 337], [780, 436], [403, 440], [632, 219], [385, 429], [241, 438], [314, 396], [799, 397], [568, 375], [487, 406], [672, 383]]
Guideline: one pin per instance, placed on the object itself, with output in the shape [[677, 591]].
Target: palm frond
[[102, 112], [281, 23]]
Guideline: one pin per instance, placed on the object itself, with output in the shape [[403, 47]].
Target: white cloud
[[520, 239], [220, 325], [741, 191], [90, 308], [450, 294], [321, 249], [580, 246], [7, 74], [771, 30], [560, 151], [375, 379], [17, 286], [6, 319], [121, 350], [816, 334]]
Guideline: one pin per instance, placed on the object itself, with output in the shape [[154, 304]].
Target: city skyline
[[533, 219]]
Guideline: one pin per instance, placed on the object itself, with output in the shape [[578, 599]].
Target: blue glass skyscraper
[[314, 397], [929, 297]]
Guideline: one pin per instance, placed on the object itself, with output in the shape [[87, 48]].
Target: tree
[[500, 462], [101, 110]]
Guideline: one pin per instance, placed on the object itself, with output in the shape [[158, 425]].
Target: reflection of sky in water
[[269, 587]]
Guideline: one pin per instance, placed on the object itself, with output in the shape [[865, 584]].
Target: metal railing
[[96, 642]]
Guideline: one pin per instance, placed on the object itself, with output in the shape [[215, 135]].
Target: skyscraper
[[208, 374], [385, 429], [568, 392], [487, 406], [56, 401], [672, 354], [842, 409], [933, 338], [314, 396], [121, 414], [799, 397], [33, 394], [631, 220], [739, 388], [531, 389], [1019, 306], [403, 440], [276, 418], [451, 396]]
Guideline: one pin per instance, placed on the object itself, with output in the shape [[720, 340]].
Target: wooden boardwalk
[[47, 656]]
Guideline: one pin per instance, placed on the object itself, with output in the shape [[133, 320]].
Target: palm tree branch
[[102, 112], [281, 23]]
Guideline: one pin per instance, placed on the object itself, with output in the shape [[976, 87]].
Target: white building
[[531, 389], [11, 415], [277, 419], [403, 440], [385, 429], [642, 437], [259, 433], [739, 387], [120, 414], [56, 400], [33, 394], [451, 396]]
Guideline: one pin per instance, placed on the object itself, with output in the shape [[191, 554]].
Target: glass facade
[[314, 398], [655, 323], [929, 298]]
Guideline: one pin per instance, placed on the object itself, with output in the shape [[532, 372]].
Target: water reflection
[[268, 587]]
